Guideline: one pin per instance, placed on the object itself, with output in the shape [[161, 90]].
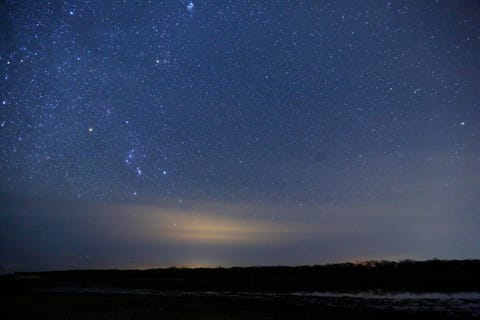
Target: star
[[245, 104]]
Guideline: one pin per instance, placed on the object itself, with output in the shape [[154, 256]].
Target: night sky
[[138, 134]]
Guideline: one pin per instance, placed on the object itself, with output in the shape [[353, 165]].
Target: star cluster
[[291, 103]]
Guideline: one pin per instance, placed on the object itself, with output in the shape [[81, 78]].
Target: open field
[[108, 306], [413, 290]]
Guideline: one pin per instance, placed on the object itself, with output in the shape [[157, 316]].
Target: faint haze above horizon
[[143, 134]]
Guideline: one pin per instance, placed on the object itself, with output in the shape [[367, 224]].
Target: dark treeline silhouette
[[407, 275]]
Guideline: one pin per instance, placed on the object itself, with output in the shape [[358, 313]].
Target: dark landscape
[[377, 289]]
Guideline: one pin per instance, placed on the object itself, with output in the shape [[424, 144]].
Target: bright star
[[462, 123], [90, 129]]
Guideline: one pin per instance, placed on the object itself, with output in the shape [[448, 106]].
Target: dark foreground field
[[379, 290], [104, 306]]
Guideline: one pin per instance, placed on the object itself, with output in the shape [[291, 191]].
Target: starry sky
[[137, 134]]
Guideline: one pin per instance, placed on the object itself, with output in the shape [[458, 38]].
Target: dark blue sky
[[155, 133]]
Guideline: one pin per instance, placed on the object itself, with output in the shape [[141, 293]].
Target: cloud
[[218, 226]]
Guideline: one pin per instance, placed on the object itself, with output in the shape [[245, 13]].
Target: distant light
[[90, 129], [462, 123], [71, 13], [164, 172]]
